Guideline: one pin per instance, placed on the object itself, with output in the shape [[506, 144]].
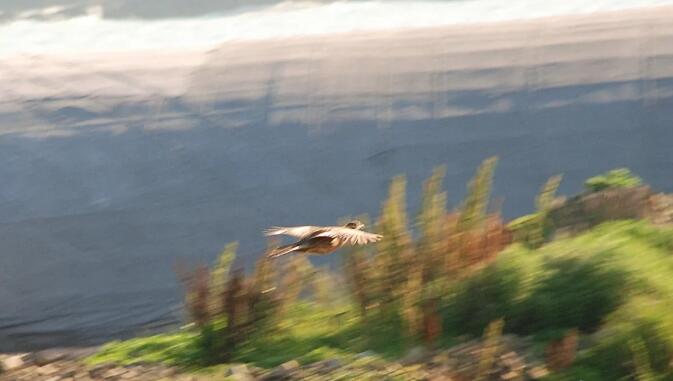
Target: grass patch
[[179, 349], [308, 334]]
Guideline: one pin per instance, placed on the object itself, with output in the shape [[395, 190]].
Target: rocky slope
[[460, 363]]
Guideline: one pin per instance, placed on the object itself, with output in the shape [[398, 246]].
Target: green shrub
[[496, 292], [616, 178], [528, 229], [535, 229], [614, 282], [570, 283], [642, 319]]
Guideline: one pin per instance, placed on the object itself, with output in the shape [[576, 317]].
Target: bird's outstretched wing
[[295, 231], [351, 236]]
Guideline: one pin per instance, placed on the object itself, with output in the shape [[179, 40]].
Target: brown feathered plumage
[[321, 240]]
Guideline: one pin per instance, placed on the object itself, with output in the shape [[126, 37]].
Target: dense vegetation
[[607, 291]]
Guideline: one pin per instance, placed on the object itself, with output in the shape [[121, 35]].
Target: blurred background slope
[[127, 144]]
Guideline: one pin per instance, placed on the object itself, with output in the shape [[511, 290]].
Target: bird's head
[[355, 224]]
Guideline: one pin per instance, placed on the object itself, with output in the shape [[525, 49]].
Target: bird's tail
[[282, 250]]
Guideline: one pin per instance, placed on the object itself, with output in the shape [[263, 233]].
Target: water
[[93, 33]]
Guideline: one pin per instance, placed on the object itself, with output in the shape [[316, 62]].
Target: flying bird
[[321, 240]]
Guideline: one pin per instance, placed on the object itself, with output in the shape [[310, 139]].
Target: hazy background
[[71, 26], [131, 137], [172, 9], [55, 9]]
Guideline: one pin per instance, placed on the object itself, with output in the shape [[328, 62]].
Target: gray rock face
[[106, 183]]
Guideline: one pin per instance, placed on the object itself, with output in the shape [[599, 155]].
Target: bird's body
[[321, 240]]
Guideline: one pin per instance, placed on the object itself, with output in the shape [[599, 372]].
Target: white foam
[[92, 33]]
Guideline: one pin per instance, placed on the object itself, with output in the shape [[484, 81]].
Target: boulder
[[290, 365], [282, 372], [48, 356], [114, 373], [328, 366], [47, 370], [15, 362], [415, 356], [240, 372], [365, 354], [98, 370], [537, 373]]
